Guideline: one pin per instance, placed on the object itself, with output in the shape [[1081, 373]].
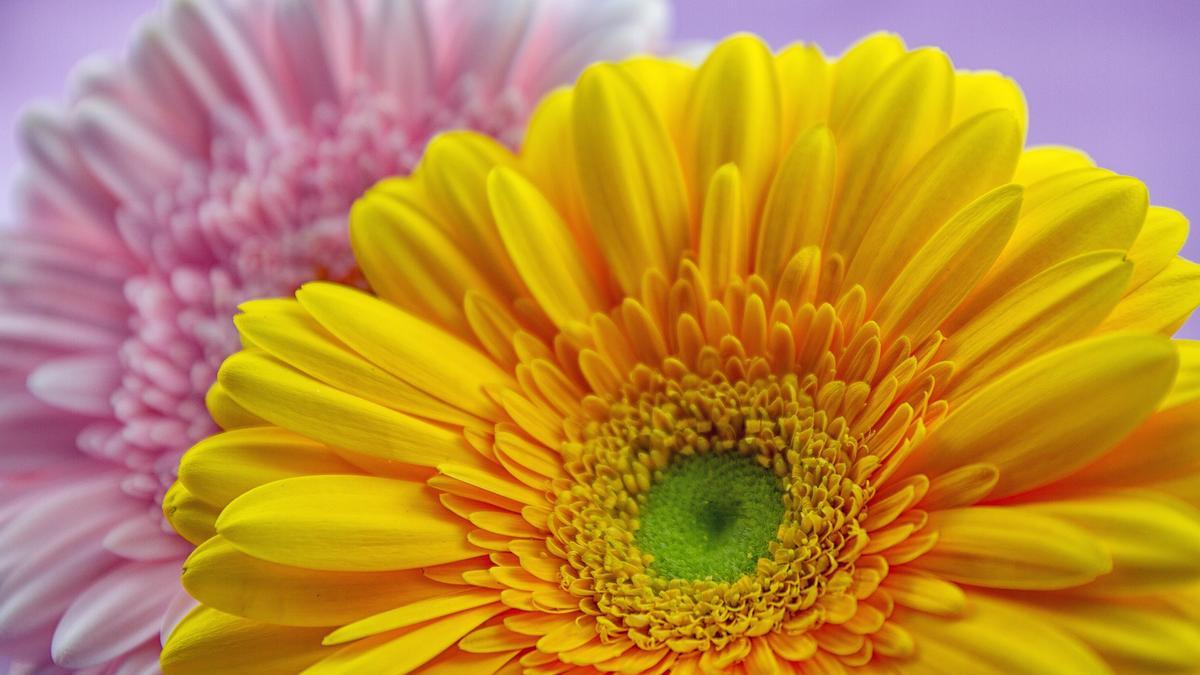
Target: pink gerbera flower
[[215, 164]]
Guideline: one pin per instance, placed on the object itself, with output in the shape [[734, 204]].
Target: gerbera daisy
[[217, 163], [780, 364]]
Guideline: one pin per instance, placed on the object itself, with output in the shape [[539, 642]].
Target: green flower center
[[710, 516]]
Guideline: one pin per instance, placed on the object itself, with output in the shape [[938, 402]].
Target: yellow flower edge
[[780, 364]]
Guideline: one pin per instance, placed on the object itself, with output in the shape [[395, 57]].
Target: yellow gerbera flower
[[778, 364]]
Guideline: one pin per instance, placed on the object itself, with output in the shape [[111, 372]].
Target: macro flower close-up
[[215, 163], [780, 363]]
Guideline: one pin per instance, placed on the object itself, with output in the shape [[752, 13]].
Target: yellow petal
[[454, 174], [894, 124], [209, 641], [1161, 304], [409, 258], [1187, 382], [1161, 237], [996, 639], [666, 84], [220, 576], [304, 405], [1054, 414], [981, 91], [945, 269], [797, 207], [493, 639], [406, 346], [402, 652], [723, 229], [734, 116], [228, 413], [455, 661], [856, 71], [1166, 446], [347, 524], [1042, 162], [1012, 547], [1061, 186], [193, 518], [548, 147], [543, 250], [632, 180], [285, 330], [976, 156], [404, 614], [1103, 214], [1062, 304], [1154, 540], [1132, 636], [924, 592], [223, 466], [805, 76], [961, 487]]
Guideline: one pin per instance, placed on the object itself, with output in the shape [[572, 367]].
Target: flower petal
[[1162, 235], [724, 232], [1064, 303], [286, 331], [325, 413], [409, 258], [118, 612], [631, 178], [404, 651], [224, 578], [1154, 540], [1054, 414], [1161, 304], [945, 269], [973, 158], [221, 467], [406, 346], [1101, 214], [734, 116], [346, 524], [897, 121], [995, 639], [1039, 163], [1012, 547], [797, 207], [405, 614], [542, 249], [209, 641], [1133, 636]]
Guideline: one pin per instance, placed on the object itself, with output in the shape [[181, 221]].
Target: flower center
[[710, 517], [719, 475]]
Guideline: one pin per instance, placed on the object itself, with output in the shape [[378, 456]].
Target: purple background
[[1118, 79]]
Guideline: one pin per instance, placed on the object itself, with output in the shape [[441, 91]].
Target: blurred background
[[1118, 79]]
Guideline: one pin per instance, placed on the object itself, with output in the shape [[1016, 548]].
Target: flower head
[[216, 164], [778, 364]]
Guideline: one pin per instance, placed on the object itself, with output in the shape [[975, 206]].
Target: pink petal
[[82, 384], [141, 537], [61, 173], [116, 614], [52, 331], [398, 53], [48, 508], [55, 569], [142, 661], [303, 53], [130, 158], [181, 605], [480, 46]]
